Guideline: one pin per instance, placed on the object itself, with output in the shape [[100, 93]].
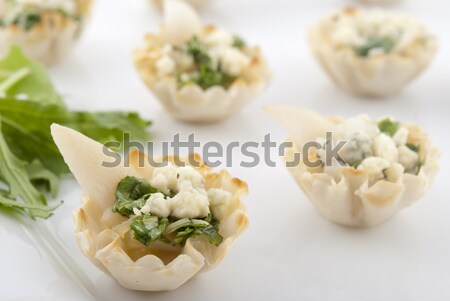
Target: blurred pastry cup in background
[[380, 1], [372, 52], [197, 4], [152, 227], [47, 31], [383, 166], [199, 73]]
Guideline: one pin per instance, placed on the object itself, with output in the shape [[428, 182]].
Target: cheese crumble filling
[[214, 58], [28, 13], [173, 206], [381, 149], [375, 32]]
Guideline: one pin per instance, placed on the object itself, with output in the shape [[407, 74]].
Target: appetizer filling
[[28, 13], [172, 207], [385, 149], [373, 33], [213, 59]]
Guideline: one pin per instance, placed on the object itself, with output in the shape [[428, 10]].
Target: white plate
[[289, 251]]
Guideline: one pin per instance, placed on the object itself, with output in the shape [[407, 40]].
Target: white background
[[289, 251]]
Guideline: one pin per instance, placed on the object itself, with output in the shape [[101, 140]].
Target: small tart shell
[[105, 237], [350, 201], [51, 40], [198, 4], [377, 76], [193, 104]]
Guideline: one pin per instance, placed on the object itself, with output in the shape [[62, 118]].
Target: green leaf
[[186, 228], [26, 126], [148, 228], [15, 176], [388, 126], [209, 232], [39, 210], [42, 177], [29, 104], [104, 126], [37, 85], [132, 193], [385, 43]]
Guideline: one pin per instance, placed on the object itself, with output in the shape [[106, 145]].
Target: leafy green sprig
[[30, 163]]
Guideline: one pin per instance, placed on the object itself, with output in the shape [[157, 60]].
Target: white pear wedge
[[181, 22], [85, 158], [303, 125]]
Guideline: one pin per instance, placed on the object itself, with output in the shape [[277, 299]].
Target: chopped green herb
[[207, 78], [413, 147], [132, 193], [207, 74], [385, 43], [27, 20], [238, 42], [388, 126], [148, 228], [30, 17]]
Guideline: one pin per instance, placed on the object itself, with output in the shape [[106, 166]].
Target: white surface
[[289, 251]]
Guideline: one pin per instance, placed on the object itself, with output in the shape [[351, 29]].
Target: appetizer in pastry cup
[[46, 30], [363, 171], [199, 73], [380, 1], [373, 52], [151, 226], [198, 4]]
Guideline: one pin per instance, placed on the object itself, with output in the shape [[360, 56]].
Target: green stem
[[13, 79]]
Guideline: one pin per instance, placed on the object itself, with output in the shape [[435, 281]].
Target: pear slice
[[86, 159], [303, 125], [181, 22]]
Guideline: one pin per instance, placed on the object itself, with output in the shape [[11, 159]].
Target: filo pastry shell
[[104, 236], [198, 4], [191, 103], [379, 75], [351, 201], [380, 1], [52, 39]]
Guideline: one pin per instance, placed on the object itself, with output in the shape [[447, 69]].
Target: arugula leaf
[[131, 193], [386, 43], [42, 177], [29, 104], [15, 176], [211, 233], [388, 126], [193, 228], [37, 85], [26, 126], [38, 210], [148, 228]]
